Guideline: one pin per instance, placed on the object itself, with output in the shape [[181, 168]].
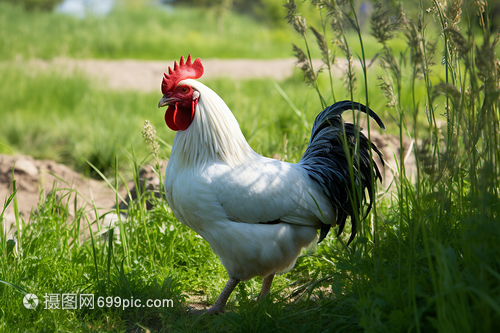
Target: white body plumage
[[218, 186]]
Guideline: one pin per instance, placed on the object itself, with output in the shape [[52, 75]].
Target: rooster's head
[[180, 97]]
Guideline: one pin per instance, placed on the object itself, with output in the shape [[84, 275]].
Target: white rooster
[[257, 213]]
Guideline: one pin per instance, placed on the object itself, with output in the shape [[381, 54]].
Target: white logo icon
[[30, 301]]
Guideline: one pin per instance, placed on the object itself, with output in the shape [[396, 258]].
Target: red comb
[[182, 71]]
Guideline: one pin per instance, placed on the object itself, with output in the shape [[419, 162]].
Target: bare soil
[[146, 76]]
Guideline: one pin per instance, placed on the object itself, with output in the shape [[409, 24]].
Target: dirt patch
[[390, 147], [35, 179]]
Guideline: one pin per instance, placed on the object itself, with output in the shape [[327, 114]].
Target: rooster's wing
[[268, 191]]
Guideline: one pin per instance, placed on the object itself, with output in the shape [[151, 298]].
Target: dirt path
[[146, 75]]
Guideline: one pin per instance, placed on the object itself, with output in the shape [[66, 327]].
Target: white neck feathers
[[213, 135]]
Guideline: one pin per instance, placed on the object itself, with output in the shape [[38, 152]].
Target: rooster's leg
[[266, 285], [221, 301]]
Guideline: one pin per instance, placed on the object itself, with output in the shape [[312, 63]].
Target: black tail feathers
[[329, 164]]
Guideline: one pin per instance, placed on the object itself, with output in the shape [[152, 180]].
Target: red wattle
[[178, 118], [169, 117]]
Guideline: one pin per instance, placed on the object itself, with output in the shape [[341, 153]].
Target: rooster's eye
[[185, 90]]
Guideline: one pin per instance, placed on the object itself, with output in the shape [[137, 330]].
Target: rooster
[[258, 213]]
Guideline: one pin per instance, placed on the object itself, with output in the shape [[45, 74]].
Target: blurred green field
[[43, 110], [146, 32], [73, 118]]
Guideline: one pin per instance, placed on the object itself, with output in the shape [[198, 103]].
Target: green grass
[[435, 279], [426, 260], [147, 32]]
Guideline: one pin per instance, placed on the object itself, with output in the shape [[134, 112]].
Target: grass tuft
[[417, 263]]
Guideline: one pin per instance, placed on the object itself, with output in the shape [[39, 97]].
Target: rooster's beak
[[165, 101]]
